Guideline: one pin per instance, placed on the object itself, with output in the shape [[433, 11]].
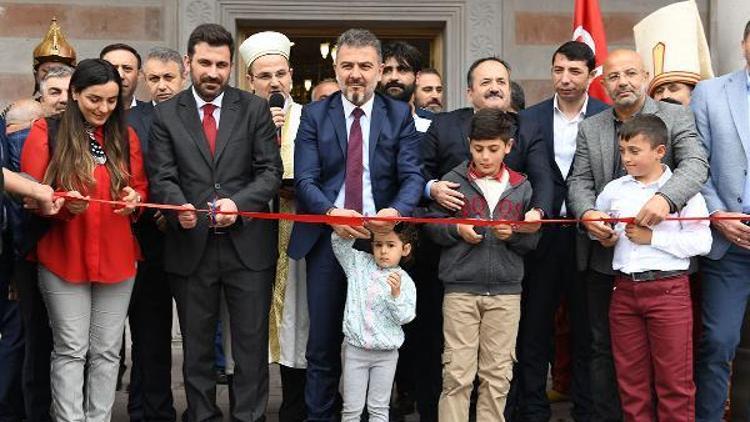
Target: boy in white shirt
[[650, 314]]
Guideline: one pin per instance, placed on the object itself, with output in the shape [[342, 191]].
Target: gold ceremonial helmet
[[54, 48]]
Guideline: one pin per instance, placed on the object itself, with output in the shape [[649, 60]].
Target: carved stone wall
[[484, 29], [452, 14], [88, 25], [192, 14], [473, 28], [524, 32]]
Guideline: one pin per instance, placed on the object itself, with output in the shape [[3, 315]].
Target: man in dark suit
[[11, 327], [213, 144], [150, 313], [127, 61], [551, 269], [355, 154], [444, 146], [37, 396], [428, 92], [402, 62]]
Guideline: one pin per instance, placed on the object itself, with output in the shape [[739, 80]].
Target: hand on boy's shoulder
[[445, 193]]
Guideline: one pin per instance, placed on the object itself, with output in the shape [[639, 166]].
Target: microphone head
[[276, 100]]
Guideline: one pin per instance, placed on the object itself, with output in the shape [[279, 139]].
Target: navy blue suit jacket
[[150, 238], [539, 118], [320, 162], [140, 118]]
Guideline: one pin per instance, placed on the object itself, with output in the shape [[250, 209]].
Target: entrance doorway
[[314, 46]]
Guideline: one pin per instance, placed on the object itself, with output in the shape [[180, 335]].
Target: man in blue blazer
[[722, 116], [557, 121], [356, 153]]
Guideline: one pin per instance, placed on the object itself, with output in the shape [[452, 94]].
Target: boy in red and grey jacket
[[482, 269]]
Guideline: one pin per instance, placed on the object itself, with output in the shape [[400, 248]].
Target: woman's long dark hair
[[72, 165]]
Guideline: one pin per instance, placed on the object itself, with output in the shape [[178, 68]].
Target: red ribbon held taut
[[357, 221]]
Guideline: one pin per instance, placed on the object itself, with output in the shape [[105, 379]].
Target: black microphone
[[277, 100]]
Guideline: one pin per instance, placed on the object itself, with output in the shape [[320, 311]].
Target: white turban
[[265, 43]]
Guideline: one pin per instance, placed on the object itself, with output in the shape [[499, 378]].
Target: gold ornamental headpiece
[[54, 48]]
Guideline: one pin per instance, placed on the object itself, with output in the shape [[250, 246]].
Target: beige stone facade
[[525, 32]]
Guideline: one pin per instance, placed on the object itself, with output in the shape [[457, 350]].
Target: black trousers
[[406, 370], [406, 374], [551, 275], [606, 399], [11, 347], [292, 394], [38, 343], [428, 330], [150, 316], [248, 296], [326, 297]]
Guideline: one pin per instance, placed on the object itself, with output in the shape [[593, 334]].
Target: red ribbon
[[358, 221]]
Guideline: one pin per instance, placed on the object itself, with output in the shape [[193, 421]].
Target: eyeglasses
[[267, 76], [629, 74]]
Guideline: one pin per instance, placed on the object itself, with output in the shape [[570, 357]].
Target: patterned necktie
[[354, 167], [209, 126]]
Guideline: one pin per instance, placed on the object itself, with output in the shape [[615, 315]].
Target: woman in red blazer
[[87, 258]]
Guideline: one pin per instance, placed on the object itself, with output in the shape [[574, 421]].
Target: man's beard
[[431, 105], [627, 101], [356, 98], [406, 91], [207, 95], [434, 107]]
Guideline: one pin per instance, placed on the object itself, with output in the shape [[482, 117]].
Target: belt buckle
[[642, 276]]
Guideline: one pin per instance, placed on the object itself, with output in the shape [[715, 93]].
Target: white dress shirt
[[492, 189], [672, 242], [565, 132], [421, 124], [368, 202], [216, 101]]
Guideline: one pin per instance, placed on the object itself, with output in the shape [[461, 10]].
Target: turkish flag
[[588, 28]]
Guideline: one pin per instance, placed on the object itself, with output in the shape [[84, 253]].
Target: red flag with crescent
[[588, 28]]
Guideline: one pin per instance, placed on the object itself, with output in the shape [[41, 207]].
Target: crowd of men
[[276, 287]]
